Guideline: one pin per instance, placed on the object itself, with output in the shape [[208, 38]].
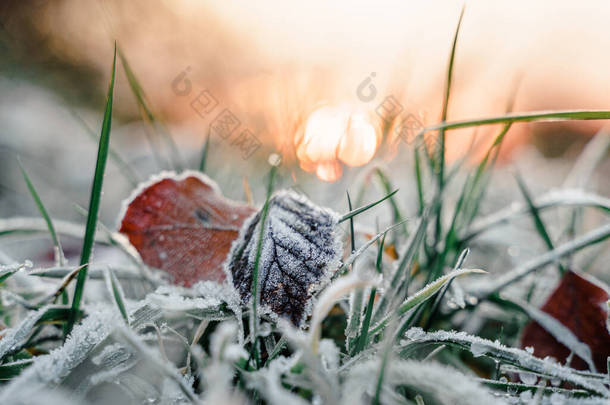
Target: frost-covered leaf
[[580, 305], [183, 225], [300, 251]]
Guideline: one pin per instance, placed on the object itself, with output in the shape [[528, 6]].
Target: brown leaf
[[183, 225], [580, 305]]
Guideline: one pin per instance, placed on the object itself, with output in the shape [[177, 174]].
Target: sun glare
[[333, 136]]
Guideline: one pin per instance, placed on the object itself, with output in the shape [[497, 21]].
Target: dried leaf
[[182, 224], [300, 251], [580, 305]]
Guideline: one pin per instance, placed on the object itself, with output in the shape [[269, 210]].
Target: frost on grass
[[16, 336], [415, 337], [299, 252], [50, 370], [437, 384]]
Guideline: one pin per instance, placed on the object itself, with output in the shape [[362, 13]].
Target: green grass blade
[[369, 308], [204, 153], [498, 283], [419, 182], [431, 289], [440, 165], [365, 208], [421, 296], [399, 285], [13, 369], [94, 201], [352, 258], [387, 187], [280, 345], [126, 170], [44, 213], [9, 270], [449, 78], [540, 228], [561, 198], [435, 306], [556, 115], [353, 322], [351, 225], [114, 287], [147, 114], [477, 188], [257, 259]]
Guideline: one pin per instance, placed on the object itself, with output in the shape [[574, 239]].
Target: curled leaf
[[184, 225], [300, 251]]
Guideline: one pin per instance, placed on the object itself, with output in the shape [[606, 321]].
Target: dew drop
[[478, 349], [526, 396], [275, 159], [264, 329], [528, 378]]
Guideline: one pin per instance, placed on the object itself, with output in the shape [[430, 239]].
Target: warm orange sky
[[273, 62]]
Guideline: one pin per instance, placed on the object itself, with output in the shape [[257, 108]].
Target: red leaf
[[580, 305], [183, 225]]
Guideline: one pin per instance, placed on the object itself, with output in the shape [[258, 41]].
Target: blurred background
[[304, 80]]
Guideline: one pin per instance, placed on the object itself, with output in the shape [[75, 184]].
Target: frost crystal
[[300, 250]]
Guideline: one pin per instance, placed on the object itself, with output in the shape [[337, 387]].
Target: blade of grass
[[590, 238], [560, 198], [94, 201], [445, 109], [96, 272], [257, 259], [124, 167], [34, 225], [419, 182], [476, 189], [365, 208], [204, 153], [348, 262], [9, 270], [64, 284], [419, 297], [441, 138], [540, 228], [351, 224], [441, 295], [551, 115], [45, 215], [369, 308], [397, 215], [399, 285], [356, 297], [114, 287], [117, 240], [13, 369], [147, 114]]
